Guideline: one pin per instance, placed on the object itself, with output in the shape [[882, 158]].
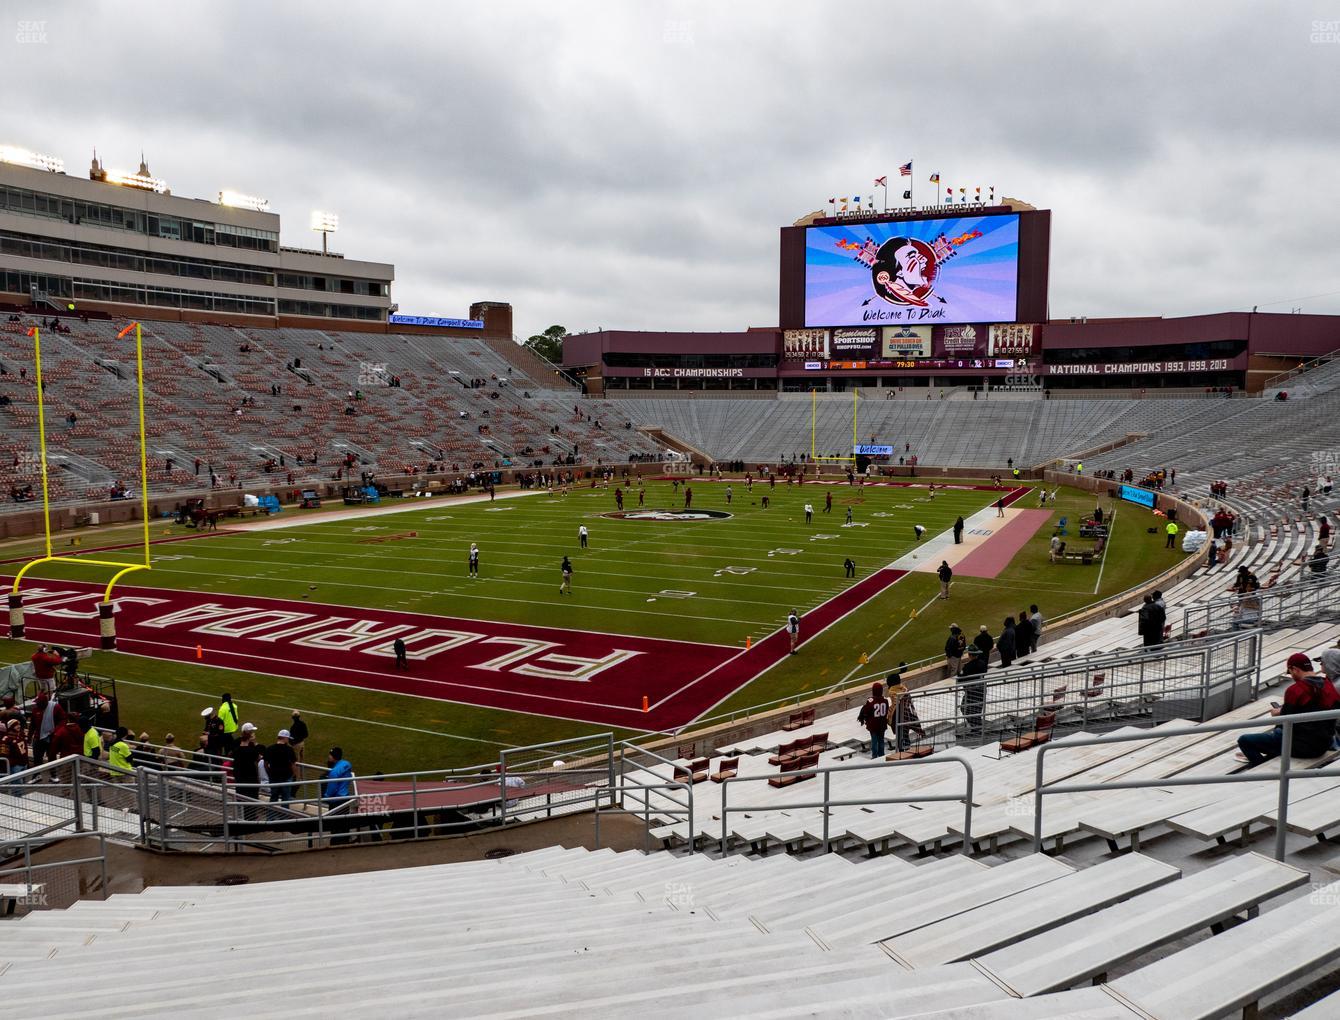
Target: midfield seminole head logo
[[903, 270], [668, 515]]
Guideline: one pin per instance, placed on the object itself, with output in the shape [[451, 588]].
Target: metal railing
[[827, 802], [1187, 679], [25, 847], [638, 761], [1283, 776], [1285, 605]]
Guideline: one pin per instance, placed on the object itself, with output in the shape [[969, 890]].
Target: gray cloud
[[629, 165]]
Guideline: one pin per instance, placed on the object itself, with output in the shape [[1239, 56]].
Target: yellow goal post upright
[[106, 608], [814, 415]]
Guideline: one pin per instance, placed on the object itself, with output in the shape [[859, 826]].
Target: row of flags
[[847, 202]]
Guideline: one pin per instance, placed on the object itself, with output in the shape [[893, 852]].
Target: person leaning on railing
[[1308, 693]]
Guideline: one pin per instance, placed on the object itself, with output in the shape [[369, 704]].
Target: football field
[[674, 612]]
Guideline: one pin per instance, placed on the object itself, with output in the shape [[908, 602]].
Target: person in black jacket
[[1150, 622], [1023, 634], [946, 575], [983, 642], [958, 531], [974, 693], [954, 647], [297, 734], [1006, 643]]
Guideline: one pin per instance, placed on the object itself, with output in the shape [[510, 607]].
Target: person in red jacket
[[67, 740], [874, 716], [1309, 692], [45, 663]]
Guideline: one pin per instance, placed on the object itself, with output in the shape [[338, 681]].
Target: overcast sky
[[628, 164]]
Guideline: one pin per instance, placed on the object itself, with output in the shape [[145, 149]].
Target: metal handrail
[[29, 867], [827, 802], [646, 809], [1285, 773], [1308, 598]]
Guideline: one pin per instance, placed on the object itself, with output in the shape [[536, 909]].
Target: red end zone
[[571, 674]]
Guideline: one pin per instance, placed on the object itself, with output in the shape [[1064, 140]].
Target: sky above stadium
[[628, 165]]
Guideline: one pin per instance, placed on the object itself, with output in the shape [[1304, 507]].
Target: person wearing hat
[[946, 575], [970, 678], [984, 642], [247, 768], [8, 710], [954, 646], [212, 730], [1308, 693], [874, 716], [281, 762], [297, 735]]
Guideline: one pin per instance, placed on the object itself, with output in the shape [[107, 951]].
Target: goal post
[[814, 418], [106, 608]]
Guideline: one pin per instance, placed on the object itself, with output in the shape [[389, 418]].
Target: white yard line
[[871, 658]]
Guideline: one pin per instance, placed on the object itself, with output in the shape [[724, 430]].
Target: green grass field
[[744, 574]]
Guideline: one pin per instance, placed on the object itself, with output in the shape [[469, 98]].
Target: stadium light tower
[[326, 223]]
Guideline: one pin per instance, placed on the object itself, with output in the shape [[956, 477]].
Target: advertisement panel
[[1132, 494], [933, 271], [799, 344], [960, 342], [855, 343], [906, 341], [1012, 339]]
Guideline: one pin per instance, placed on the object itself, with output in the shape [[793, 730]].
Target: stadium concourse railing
[[1284, 774], [198, 806], [1180, 680], [1285, 605]]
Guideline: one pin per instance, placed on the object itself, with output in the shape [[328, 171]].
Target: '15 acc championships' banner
[[933, 271]]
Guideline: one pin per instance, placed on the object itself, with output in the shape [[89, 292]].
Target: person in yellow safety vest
[[92, 742], [1171, 529], [1080, 467], [118, 755], [227, 713], [1016, 473]]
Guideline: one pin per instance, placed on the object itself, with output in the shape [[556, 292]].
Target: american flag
[[905, 170]]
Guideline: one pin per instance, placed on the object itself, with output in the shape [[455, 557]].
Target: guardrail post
[[77, 793], [827, 790], [610, 752], [102, 850], [502, 790], [724, 783], [142, 794], [693, 840], [967, 812], [1037, 802], [414, 802], [1282, 815], [223, 809]]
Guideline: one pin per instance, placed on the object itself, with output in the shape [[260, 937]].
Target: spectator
[[1035, 620], [280, 762], [974, 691], [336, 788], [903, 713], [954, 647], [1308, 693], [202, 758], [119, 754], [297, 735], [13, 747], [1320, 560], [174, 758], [213, 734], [46, 717], [874, 716], [1007, 644], [1150, 622], [1023, 635], [983, 642], [142, 754], [9, 711], [247, 766], [92, 741]]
